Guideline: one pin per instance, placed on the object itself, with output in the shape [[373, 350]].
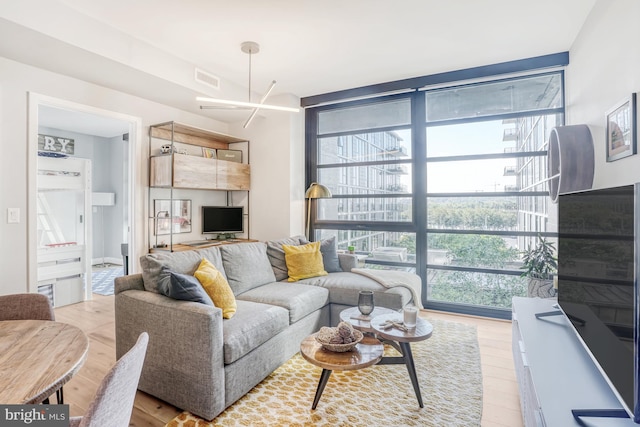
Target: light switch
[[13, 215]]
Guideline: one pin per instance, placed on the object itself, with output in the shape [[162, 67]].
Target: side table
[[367, 352], [401, 341]]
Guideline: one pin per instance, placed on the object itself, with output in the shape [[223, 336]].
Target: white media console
[[554, 371]]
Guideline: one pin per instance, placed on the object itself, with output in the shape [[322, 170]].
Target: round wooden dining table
[[37, 357]]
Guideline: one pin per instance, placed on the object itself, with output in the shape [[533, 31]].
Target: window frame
[[419, 161]]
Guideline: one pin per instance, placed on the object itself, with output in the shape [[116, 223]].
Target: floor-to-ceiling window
[[363, 154], [449, 182]]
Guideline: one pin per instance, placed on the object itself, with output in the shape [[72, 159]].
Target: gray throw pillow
[[329, 252], [276, 254], [182, 287], [185, 262]]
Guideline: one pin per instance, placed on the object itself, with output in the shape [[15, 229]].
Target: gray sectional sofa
[[200, 362]]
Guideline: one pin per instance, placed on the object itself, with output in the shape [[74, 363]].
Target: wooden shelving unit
[[185, 166]]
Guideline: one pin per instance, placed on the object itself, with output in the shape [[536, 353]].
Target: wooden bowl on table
[[341, 348]]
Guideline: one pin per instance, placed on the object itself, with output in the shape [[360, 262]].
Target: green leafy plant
[[540, 261]]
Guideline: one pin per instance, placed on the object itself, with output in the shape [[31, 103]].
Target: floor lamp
[[315, 191], [101, 200]]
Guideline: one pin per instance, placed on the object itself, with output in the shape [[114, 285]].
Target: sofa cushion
[[217, 288], [182, 287], [329, 251], [344, 288], [185, 262], [299, 300], [276, 254], [303, 261], [253, 324], [246, 265], [213, 255]]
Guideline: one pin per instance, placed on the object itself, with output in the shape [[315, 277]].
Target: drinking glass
[[365, 302], [410, 316]]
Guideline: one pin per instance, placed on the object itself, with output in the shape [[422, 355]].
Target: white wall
[[16, 81], [277, 172], [604, 69]]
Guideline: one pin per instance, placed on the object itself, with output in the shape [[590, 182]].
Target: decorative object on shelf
[[621, 129], [249, 48], [209, 153], [178, 218], [570, 160], [158, 216], [339, 339], [55, 144], [315, 191], [166, 149], [52, 154], [541, 264], [101, 200], [365, 302], [230, 155]]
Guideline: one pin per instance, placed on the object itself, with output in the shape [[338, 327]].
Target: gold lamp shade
[[317, 191]]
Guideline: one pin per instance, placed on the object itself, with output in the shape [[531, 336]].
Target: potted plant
[[540, 265]]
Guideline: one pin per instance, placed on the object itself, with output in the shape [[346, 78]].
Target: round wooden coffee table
[[366, 353], [401, 340]]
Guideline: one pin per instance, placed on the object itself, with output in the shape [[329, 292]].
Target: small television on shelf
[[598, 283], [222, 219]]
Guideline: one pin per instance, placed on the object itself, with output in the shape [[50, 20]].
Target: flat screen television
[[222, 219], [597, 282]]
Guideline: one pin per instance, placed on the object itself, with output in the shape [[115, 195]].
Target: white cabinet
[[554, 371]]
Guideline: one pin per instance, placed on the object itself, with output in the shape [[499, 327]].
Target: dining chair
[[28, 307], [113, 402]]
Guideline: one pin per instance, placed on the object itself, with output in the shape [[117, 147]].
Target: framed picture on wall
[[621, 129], [176, 216]]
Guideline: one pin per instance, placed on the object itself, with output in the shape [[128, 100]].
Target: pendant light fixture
[[249, 48]]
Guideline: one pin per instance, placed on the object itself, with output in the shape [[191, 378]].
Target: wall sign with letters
[[56, 144]]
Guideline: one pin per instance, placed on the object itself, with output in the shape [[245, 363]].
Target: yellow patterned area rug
[[449, 373]]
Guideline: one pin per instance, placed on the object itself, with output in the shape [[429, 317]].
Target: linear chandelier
[[249, 48]]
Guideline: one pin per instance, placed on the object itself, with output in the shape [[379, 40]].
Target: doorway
[[102, 222]]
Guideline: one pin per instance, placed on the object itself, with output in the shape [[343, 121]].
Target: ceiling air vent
[[207, 79]]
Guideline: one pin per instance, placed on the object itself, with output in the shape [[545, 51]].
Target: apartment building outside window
[[447, 182]]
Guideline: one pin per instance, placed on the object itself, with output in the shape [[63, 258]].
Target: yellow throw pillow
[[303, 261], [217, 287]]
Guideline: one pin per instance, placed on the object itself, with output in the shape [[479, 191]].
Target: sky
[[470, 175]]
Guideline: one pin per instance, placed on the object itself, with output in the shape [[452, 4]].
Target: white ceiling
[[313, 47], [309, 47]]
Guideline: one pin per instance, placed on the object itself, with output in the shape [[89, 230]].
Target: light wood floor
[[501, 405]]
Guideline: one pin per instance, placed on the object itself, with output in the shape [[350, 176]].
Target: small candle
[[410, 316]]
